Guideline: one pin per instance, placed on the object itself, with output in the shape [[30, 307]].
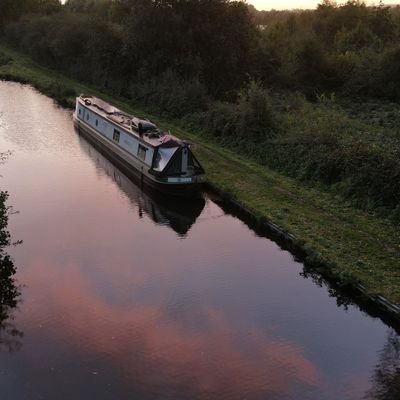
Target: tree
[[209, 39], [11, 10]]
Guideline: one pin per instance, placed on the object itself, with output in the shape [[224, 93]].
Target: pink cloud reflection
[[149, 350]]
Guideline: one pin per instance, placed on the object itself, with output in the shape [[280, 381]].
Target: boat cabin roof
[[151, 134]]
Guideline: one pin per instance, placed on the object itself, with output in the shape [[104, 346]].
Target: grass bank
[[349, 245]]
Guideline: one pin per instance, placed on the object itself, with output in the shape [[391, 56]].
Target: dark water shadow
[[385, 382], [179, 214], [10, 335], [345, 294]]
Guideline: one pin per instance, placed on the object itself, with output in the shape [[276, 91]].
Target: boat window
[[79, 111], [141, 152], [97, 122], [87, 117], [162, 157], [116, 135], [175, 165]]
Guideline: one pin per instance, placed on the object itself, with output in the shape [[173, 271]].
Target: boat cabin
[[167, 157]]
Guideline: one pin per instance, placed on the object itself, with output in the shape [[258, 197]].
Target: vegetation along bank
[[293, 114]]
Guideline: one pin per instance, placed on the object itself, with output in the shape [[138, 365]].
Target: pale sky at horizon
[[283, 4], [291, 4]]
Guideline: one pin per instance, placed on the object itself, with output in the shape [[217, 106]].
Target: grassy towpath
[[350, 244]]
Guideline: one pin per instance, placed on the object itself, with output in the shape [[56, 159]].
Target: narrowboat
[[139, 147]]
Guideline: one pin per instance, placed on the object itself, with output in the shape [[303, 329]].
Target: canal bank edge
[[347, 246], [356, 293]]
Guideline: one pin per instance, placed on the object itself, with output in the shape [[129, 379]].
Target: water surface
[[127, 296]]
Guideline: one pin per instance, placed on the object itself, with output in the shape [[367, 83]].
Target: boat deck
[[123, 120]]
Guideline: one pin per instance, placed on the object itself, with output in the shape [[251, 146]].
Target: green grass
[[349, 244]]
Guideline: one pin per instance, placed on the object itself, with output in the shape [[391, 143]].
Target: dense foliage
[[311, 93]]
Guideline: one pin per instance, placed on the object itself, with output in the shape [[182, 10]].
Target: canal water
[[119, 294]]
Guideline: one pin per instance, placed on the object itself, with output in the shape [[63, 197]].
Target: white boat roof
[[124, 120]]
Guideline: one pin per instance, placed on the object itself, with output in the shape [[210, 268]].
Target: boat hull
[[138, 173]]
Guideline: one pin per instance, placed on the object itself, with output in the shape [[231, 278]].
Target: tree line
[[288, 88], [349, 48]]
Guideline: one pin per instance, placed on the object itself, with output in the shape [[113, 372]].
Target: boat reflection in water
[[178, 213]]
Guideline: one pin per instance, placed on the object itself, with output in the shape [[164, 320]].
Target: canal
[[120, 294]]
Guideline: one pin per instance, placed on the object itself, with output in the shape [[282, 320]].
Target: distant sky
[[283, 4], [289, 4]]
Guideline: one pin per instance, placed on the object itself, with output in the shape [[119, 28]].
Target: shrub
[[5, 59], [170, 94], [246, 124]]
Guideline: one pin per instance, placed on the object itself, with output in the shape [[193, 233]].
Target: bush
[[244, 125], [170, 94], [4, 59], [321, 143]]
